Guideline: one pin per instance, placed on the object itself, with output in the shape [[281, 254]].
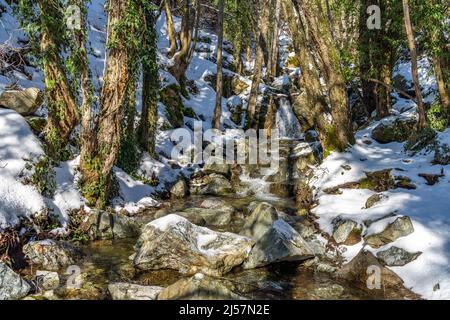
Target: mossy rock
[[37, 124], [398, 130], [170, 96]]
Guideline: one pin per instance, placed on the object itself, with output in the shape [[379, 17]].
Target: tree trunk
[[252, 116], [149, 115], [443, 90], [219, 81], [415, 77], [274, 57], [340, 135], [63, 113], [309, 76], [170, 29], [97, 181]]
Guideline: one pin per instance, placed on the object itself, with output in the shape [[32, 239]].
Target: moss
[[330, 141], [293, 61], [437, 117], [44, 177], [170, 96]]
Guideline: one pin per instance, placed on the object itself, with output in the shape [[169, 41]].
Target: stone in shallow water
[[104, 225], [12, 286], [47, 280], [401, 227], [172, 242], [280, 243], [129, 291], [199, 287], [396, 257], [51, 255]]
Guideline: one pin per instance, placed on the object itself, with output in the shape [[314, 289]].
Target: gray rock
[[12, 286], [398, 130], [220, 168], [280, 243], [343, 229], [213, 217], [329, 292], [261, 219], [179, 190], [401, 227], [199, 287], [51, 255], [103, 225], [396, 257], [26, 102], [129, 291], [442, 154], [47, 280], [172, 242], [373, 200], [213, 184]]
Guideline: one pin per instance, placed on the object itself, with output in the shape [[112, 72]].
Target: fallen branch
[[403, 93]]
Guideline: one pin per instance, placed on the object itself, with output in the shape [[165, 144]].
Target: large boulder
[[362, 271], [172, 242], [213, 184], [104, 225], [26, 102], [400, 227], [130, 291], [198, 287], [12, 286], [398, 130], [397, 257], [261, 219], [51, 255], [280, 243]]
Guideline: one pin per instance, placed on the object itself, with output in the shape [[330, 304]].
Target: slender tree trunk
[[219, 81], [252, 116], [63, 113], [97, 181], [170, 29], [273, 59], [443, 90], [415, 77]]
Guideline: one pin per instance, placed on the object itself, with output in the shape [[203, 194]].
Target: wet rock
[[261, 219], [26, 102], [397, 130], [213, 184], [129, 291], [47, 280], [216, 217], [280, 243], [401, 227], [51, 255], [12, 286], [172, 242], [104, 225], [179, 190], [360, 271], [199, 287], [373, 200], [213, 165], [346, 231], [396, 257]]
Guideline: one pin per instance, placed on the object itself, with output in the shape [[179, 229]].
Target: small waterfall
[[286, 121]]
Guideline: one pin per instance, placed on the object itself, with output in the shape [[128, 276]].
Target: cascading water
[[286, 121]]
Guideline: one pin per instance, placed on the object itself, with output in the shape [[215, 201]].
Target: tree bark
[[97, 181], [63, 113], [252, 116], [443, 89], [170, 29], [219, 81], [412, 49]]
